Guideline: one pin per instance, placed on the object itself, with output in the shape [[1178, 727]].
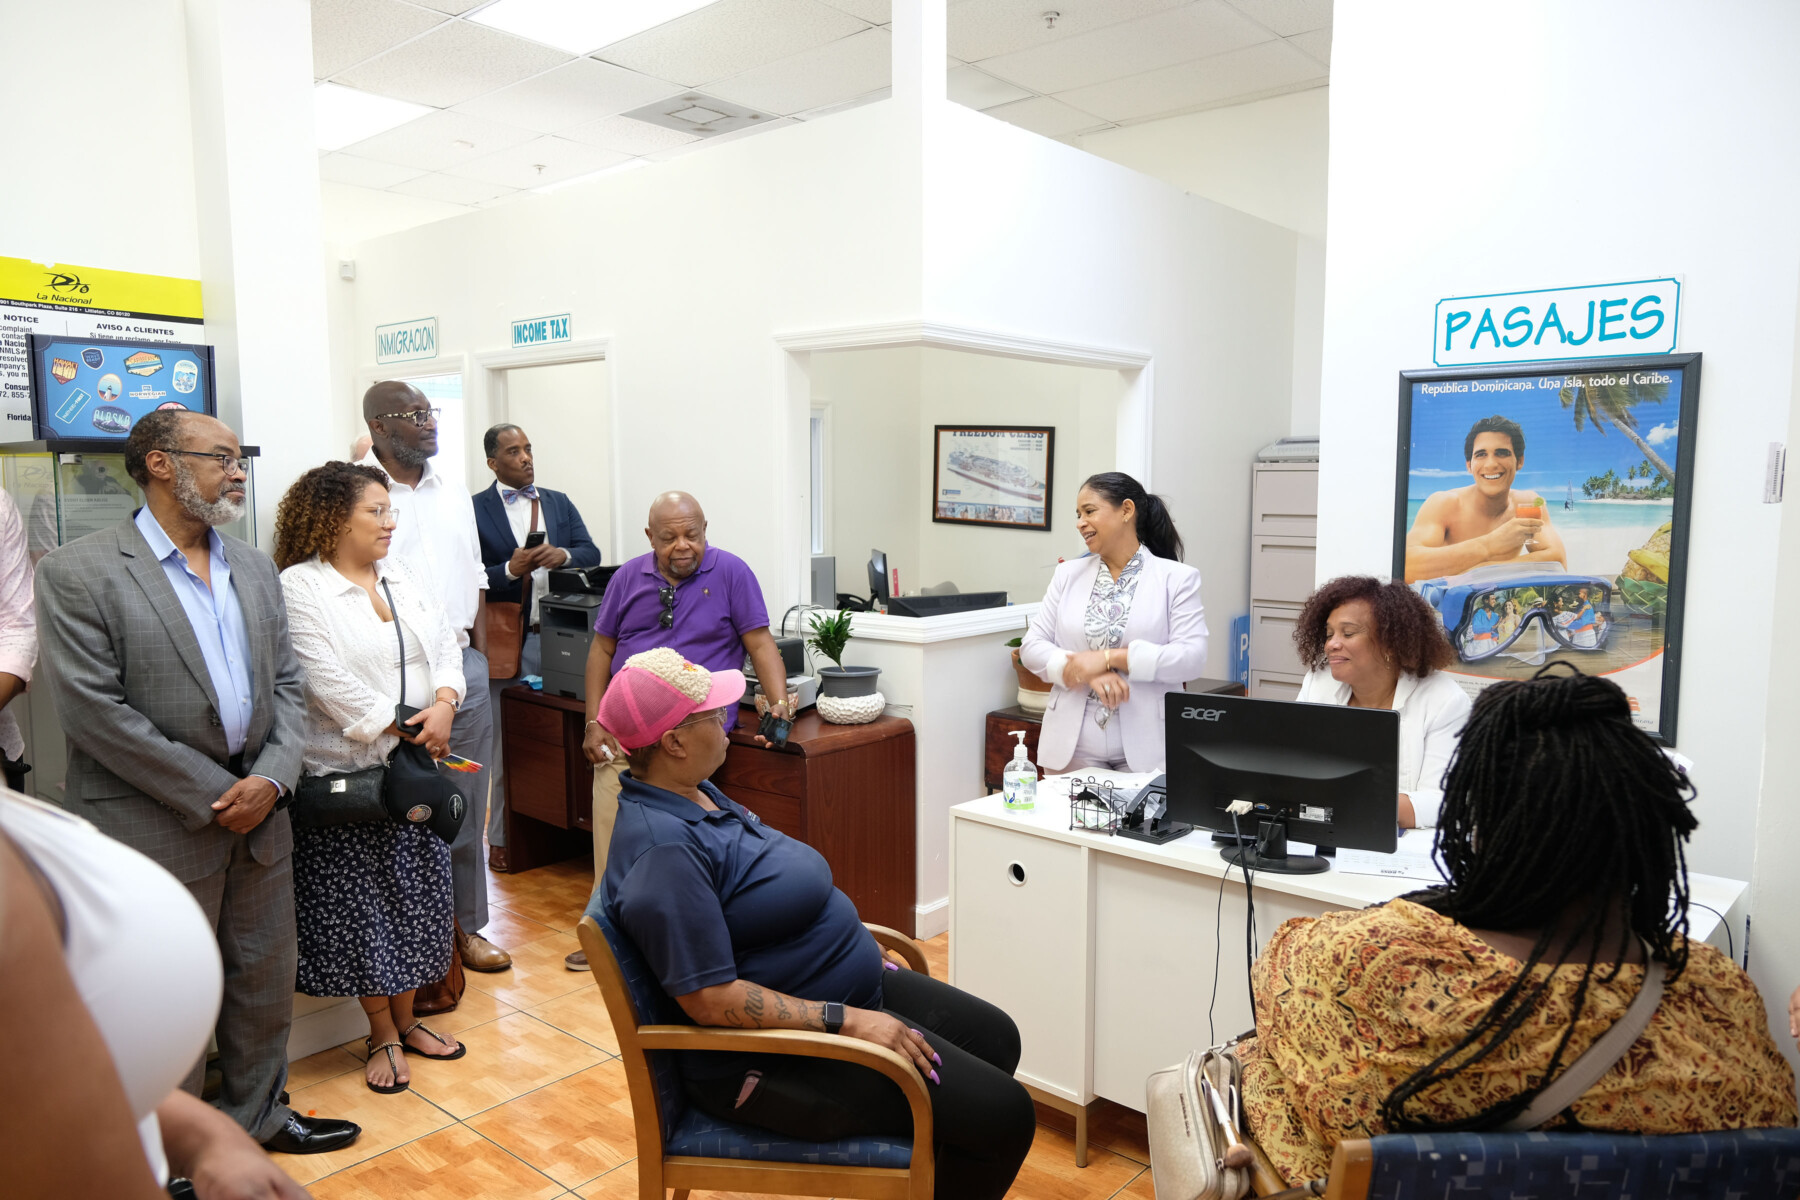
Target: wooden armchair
[[682, 1148]]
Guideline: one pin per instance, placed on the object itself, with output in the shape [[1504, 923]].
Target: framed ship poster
[[993, 475], [1542, 510]]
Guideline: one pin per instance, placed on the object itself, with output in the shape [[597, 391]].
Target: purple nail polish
[[934, 1078], [890, 966], [936, 1059], [917, 1034]]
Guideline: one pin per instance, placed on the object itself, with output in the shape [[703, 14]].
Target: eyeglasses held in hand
[[667, 620], [418, 416], [230, 462]]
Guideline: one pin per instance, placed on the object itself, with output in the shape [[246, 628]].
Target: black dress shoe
[[312, 1135]]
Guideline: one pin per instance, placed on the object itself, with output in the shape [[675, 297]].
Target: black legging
[[983, 1118]]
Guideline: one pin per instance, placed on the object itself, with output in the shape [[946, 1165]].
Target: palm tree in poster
[[1612, 404]]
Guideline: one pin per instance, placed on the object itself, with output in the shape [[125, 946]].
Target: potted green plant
[[1034, 693], [830, 634]]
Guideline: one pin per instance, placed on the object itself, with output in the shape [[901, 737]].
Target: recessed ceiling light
[[581, 26], [344, 115]]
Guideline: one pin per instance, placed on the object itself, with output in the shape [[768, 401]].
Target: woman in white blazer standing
[[1371, 644], [1118, 630]]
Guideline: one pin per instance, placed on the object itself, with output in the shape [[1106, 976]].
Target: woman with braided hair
[[1561, 837]]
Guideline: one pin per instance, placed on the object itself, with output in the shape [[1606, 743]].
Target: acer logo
[[1202, 714]]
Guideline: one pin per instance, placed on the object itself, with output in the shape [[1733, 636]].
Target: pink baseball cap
[[657, 690]]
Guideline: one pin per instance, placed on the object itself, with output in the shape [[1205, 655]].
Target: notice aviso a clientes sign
[[1601, 321]]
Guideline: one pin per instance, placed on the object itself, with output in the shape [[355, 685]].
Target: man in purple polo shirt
[[693, 598]]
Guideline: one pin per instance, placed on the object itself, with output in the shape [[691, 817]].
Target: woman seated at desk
[[741, 926], [1451, 1009], [1119, 629], [1370, 644]]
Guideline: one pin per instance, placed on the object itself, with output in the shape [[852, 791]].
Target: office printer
[[566, 627], [803, 688]]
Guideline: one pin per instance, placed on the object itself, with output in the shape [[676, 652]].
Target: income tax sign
[[1603, 321]]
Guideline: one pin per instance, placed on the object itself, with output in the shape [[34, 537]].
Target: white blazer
[[1432, 712], [1165, 644]]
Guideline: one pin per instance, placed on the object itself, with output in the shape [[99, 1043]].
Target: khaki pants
[[606, 811]]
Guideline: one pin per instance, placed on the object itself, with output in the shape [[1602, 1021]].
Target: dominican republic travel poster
[[1542, 510], [993, 475]]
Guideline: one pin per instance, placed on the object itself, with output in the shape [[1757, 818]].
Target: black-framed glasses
[[667, 593], [228, 461], [418, 416]]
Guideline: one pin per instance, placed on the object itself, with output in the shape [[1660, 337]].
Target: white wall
[[566, 411], [875, 492], [1476, 153]]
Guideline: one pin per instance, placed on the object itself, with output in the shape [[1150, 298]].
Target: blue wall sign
[[535, 331], [405, 340], [1603, 321]]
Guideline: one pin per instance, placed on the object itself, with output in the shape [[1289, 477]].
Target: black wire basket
[[1095, 805]]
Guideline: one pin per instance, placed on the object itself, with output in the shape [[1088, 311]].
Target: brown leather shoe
[[576, 961], [479, 954], [499, 860]]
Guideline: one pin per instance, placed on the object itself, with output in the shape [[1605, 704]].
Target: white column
[[256, 183], [921, 47]]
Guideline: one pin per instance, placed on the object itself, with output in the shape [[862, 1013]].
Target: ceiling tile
[[450, 64], [983, 28], [1287, 17], [573, 94], [431, 142], [1316, 44], [1041, 114], [364, 172], [453, 7], [976, 89], [813, 114], [730, 38], [825, 75], [538, 162], [628, 136], [1255, 70], [344, 32], [706, 143], [1162, 39], [450, 189], [875, 12]]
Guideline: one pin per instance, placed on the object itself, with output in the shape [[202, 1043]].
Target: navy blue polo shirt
[[709, 897]]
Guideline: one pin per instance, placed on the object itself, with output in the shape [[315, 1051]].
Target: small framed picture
[[993, 475]]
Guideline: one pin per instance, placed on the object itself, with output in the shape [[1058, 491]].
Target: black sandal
[[386, 1089], [430, 1033]]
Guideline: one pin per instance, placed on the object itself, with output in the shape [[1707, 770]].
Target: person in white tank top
[[110, 981]]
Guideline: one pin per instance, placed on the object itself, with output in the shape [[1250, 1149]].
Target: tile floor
[[539, 1108]]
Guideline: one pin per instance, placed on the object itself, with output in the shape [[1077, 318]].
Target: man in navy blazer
[[505, 514]]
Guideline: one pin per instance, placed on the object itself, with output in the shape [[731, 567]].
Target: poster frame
[[937, 466]]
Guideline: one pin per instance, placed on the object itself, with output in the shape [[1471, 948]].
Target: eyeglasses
[[384, 515], [1486, 619], [667, 620], [418, 416], [229, 462], [719, 716]]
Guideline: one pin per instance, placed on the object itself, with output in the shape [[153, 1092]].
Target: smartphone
[[535, 538]]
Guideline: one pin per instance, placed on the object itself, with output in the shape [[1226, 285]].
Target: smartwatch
[[834, 1016]]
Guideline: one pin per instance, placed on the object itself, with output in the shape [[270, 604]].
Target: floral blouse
[[1109, 604], [1349, 1004]]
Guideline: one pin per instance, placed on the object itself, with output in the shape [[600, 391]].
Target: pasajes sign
[[404, 340], [1603, 321]]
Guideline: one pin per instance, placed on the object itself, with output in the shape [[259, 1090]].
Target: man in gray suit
[[165, 647]]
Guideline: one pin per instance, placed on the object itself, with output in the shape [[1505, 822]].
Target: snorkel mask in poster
[[1486, 617]]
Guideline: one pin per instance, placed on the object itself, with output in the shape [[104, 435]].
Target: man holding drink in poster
[[1486, 522]]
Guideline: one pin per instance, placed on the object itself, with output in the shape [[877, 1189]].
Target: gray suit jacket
[[146, 749]]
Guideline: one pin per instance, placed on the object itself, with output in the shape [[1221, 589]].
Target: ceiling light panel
[[345, 32], [734, 135], [1287, 17], [1150, 43], [538, 162], [702, 115], [344, 115], [364, 172], [973, 88], [1041, 114], [452, 63], [581, 26], [1254, 71], [825, 75], [731, 37], [983, 28], [441, 139], [574, 94], [451, 189], [628, 136]]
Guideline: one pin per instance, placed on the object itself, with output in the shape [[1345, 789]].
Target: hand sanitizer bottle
[[1020, 779]]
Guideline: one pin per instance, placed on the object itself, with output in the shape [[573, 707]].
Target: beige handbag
[[1187, 1144]]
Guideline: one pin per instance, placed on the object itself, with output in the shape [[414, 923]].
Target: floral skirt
[[372, 907]]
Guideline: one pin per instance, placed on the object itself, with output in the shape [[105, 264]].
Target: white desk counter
[[1102, 948]]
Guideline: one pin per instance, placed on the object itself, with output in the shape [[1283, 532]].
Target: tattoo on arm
[[753, 1004], [781, 1008]]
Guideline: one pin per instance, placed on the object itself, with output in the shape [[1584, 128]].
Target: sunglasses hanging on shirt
[[667, 620]]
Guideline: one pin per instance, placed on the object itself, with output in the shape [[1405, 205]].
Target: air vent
[[702, 116]]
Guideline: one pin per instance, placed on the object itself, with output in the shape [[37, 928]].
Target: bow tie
[[507, 495]]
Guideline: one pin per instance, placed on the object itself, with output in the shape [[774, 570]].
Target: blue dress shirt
[[218, 622]]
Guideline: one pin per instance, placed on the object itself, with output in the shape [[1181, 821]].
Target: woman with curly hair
[[1370, 644], [372, 900]]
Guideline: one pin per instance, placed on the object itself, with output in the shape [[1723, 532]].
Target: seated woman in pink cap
[[743, 928]]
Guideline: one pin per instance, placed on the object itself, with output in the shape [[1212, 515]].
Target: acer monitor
[[1320, 773]]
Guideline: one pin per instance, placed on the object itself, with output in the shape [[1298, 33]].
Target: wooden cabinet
[[845, 790]]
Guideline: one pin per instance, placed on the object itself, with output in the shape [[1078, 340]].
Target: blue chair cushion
[[704, 1136], [654, 1007], [1741, 1163]]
